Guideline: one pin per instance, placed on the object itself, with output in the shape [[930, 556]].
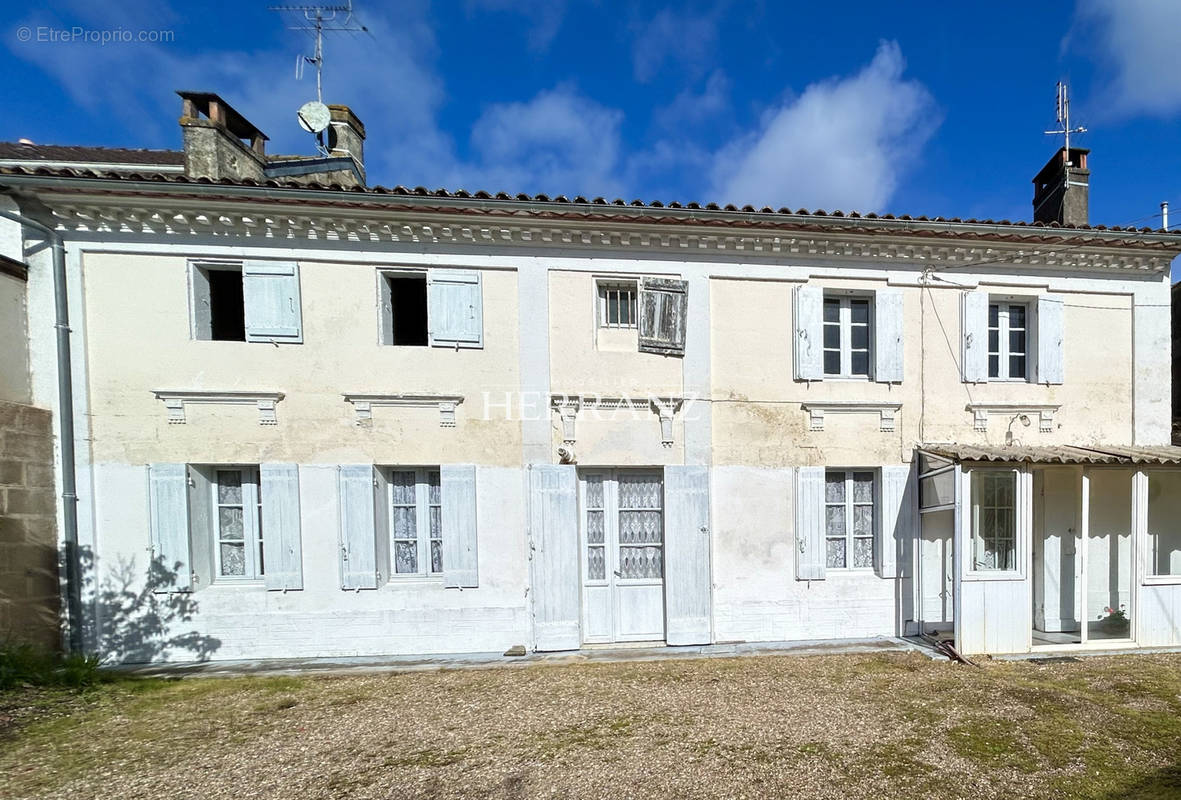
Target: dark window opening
[[227, 319], [408, 305]]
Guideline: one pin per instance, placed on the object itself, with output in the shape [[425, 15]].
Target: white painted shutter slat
[[358, 556], [887, 311], [455, 308], [553, 526], [1049, 339], [458, 487], [810, 543], [686, 554], [281, 546], [270, 293], [168, 495], [897, 514], [809, 322], [974, 324], [201, 524], [663, 316]]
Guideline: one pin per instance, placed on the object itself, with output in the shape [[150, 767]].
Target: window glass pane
[[405, 521], [594, 527], [1016, 316], [832, 310], [229, 487], [640, 491], [594, 491], [994, 315], [860, 362], [834, 520], [862, 487], [1016, 366], [863, 520], [596, 564], [403, 487], [229, 521], [436, 556], [1016, 341], [862, 552], [994, 520], [233, 558], [834, 487], [994, 366], [860, 310], [994, 341], [937, 490], [639, 526], [1164, 522], [406, 557], [860, 337], [835, 555], [436, 522], [641, 562], [832, 362], [434, 488], [832, 337]]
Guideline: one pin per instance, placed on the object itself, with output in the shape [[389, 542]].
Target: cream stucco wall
[[138, 341]]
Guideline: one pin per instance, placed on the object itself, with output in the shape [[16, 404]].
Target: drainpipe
[[65, 401]]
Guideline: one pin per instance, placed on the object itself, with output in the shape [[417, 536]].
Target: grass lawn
[[877, 726]]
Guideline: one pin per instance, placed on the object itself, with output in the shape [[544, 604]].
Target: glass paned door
[[623, 555]]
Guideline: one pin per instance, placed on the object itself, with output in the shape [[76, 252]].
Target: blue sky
[[918, 108]]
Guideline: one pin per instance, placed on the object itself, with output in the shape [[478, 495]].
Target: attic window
[[219, 310]]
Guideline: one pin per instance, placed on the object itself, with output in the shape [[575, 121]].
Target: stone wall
[[29, 590]]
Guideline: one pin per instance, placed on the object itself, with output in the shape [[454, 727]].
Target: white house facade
[[328, 420]]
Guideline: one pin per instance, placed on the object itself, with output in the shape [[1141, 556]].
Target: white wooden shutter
[[810, 542], [1049, 339], [887, 340], [664, 305], [270, 292], [358, 553], [282, 553], [809, 322], [201, 530], [455, 308], [554, 545], [458, 486], [168, 496], [686, 555], [382, 544], [974, 324], [897, 511]]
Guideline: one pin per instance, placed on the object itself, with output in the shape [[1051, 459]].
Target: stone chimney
[[1061, 189], [218, 141], [346, 136]]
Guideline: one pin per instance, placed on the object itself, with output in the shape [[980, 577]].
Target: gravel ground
[[851, 726]]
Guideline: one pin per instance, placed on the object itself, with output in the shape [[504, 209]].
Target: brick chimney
[[1061, 189], [346, 136], [218, 141]]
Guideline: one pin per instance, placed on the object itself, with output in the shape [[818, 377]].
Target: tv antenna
[[317, 20], [1062, 107]]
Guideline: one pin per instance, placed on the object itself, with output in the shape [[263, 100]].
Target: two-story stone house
[[316, 418]]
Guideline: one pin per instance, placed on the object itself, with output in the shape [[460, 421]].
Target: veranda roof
[[1057, 454]]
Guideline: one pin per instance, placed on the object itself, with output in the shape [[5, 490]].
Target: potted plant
[[1114, 622]]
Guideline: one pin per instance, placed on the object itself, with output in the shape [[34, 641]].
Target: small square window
[[848, 336], [407, 309], [617, 304]]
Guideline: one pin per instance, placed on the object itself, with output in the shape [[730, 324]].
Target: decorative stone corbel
[[363, 405], [175, 402]]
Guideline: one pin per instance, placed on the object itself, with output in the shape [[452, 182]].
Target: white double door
[[622, 563]]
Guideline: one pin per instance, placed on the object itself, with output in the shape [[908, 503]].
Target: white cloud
[[676, 36], [843, 143], [560, 142], [543, 17], [690, 108], [1139, 42]]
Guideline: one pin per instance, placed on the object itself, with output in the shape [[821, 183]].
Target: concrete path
[[590, 654]]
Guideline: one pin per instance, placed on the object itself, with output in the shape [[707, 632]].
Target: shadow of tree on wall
[[138, 620], [1164, 784]]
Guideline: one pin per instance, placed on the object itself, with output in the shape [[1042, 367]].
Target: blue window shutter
[[168, 500], [554, 543], [270, 292], [282, 553], [887, 340], [358, 551], [455, 308], [809, 345], [1049, 339], [810, 541], [686, 554], [974, 323], [897, 515], [458, 487]]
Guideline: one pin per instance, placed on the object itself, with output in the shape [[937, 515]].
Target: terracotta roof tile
[[89, 155]]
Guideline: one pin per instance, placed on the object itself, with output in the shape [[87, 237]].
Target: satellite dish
[[314, 117]]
